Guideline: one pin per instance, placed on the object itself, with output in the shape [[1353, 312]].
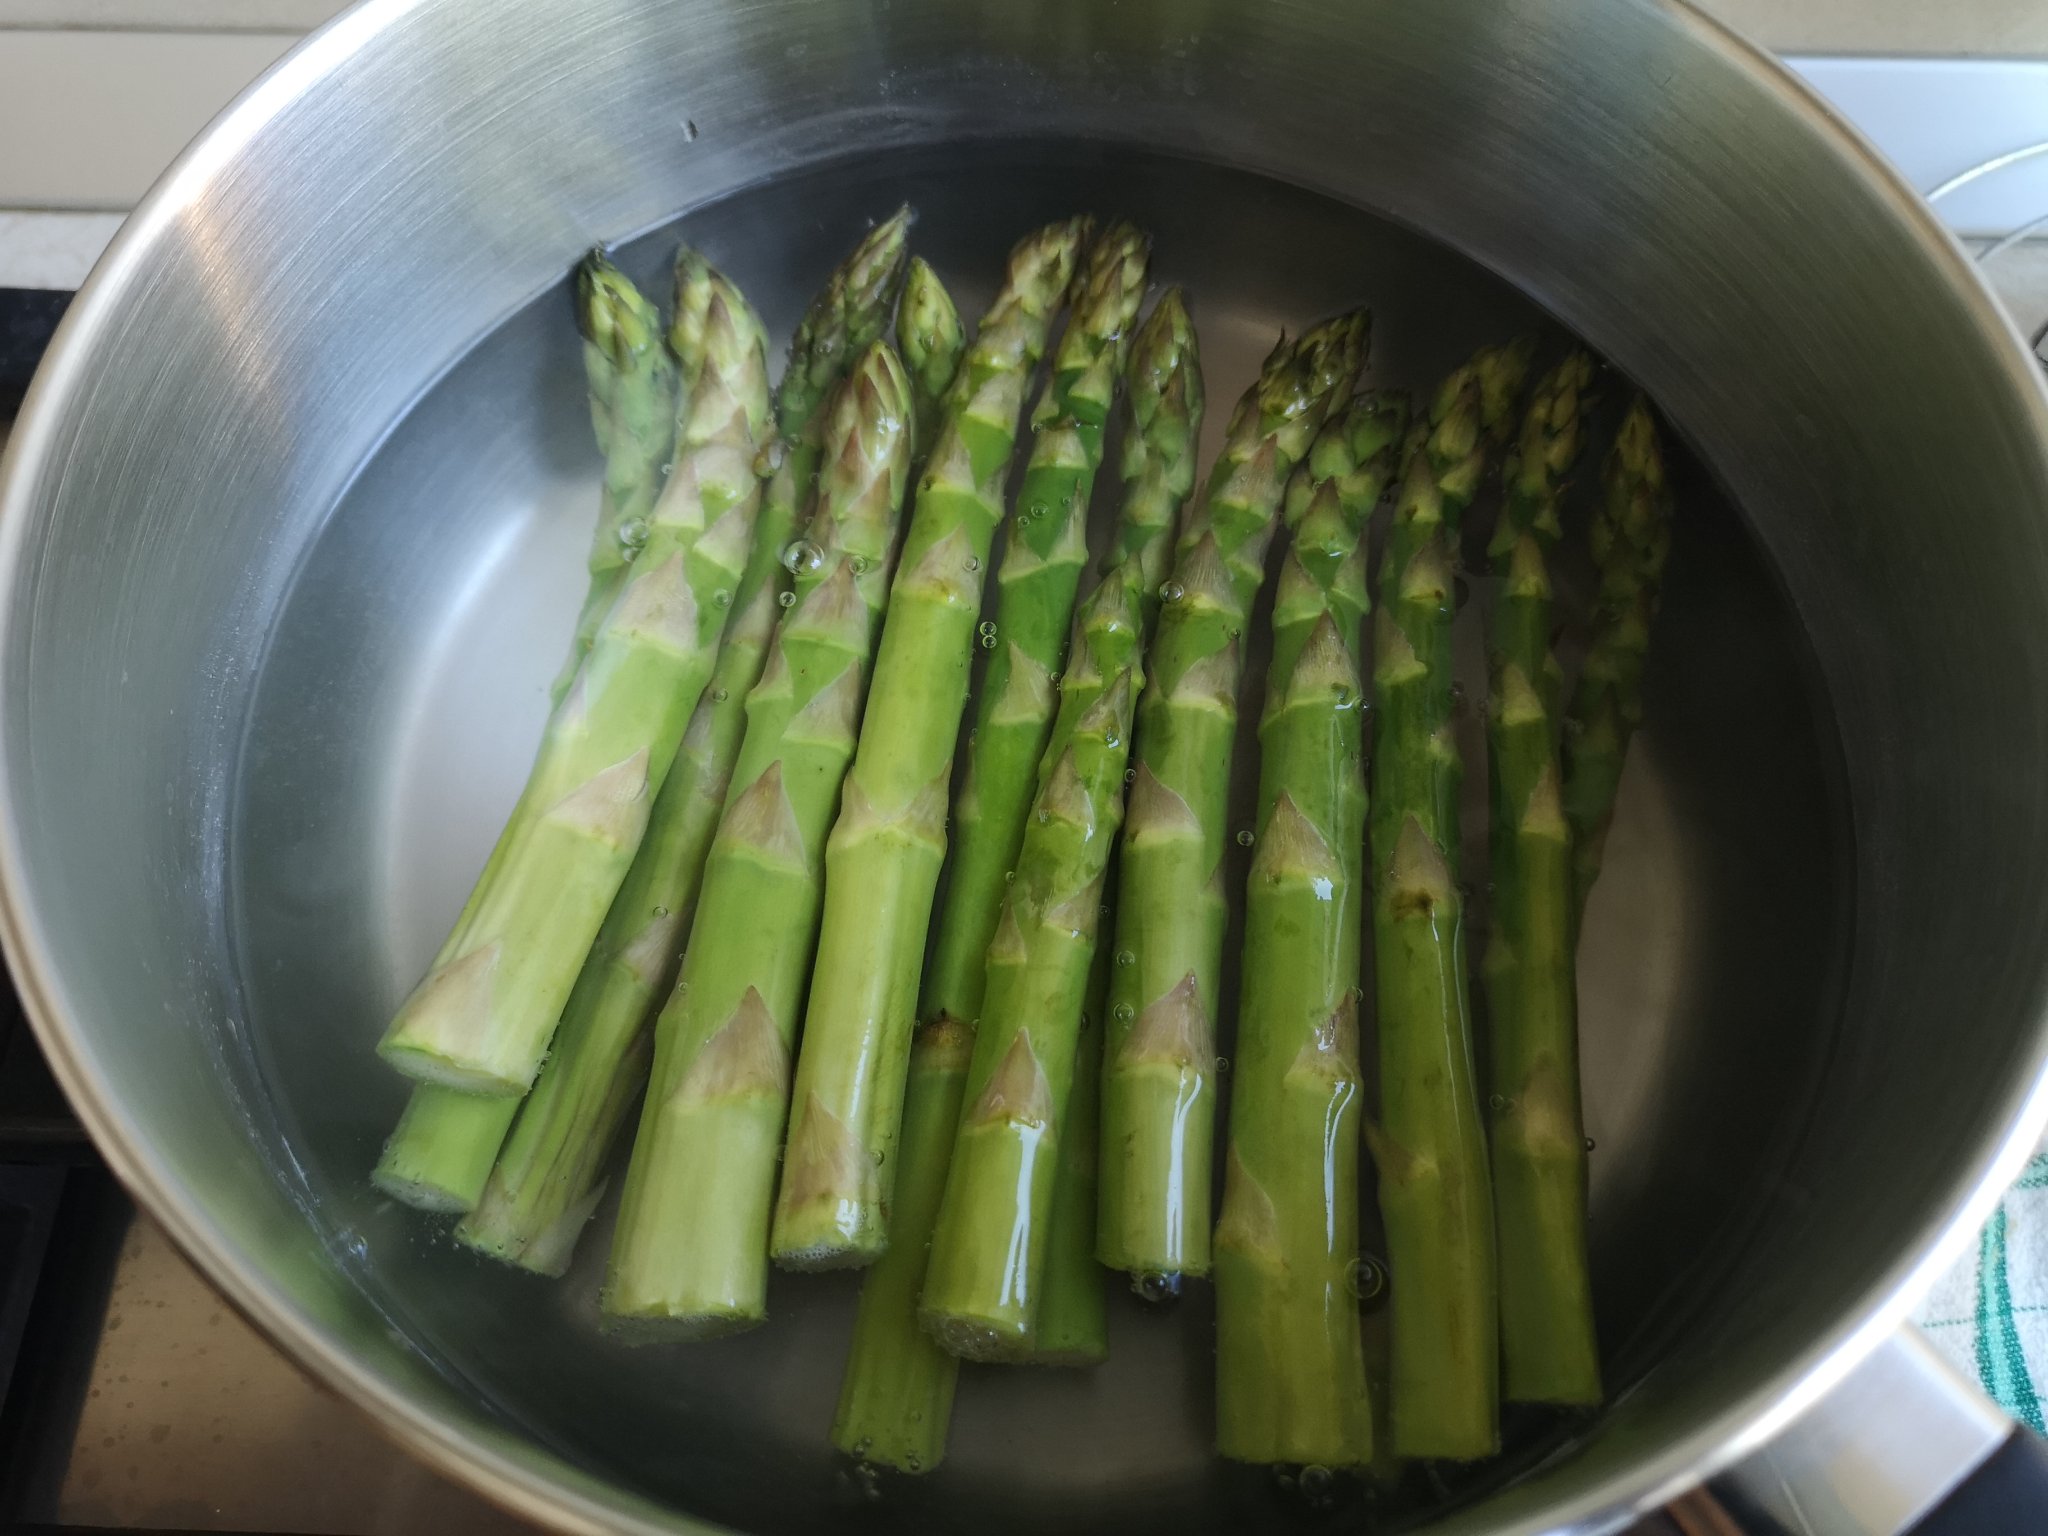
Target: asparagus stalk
[[929, 338], [483, 1017], [1430, 1150], [1158, 1089], [882, 860], [1071, 1326], [1548, 1350], [989, 1244], [1290, 1363], [633, 382], [548, 1177], [690, 1252], [981, 1292], [1631, 538], [1036, 587], [897, 1395]]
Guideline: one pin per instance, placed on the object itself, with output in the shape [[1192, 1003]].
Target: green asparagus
[[483, 1017], [1158, 1089], [1036, 587], [1290, 1365], [547, 1178], [981, 1293], [690, 1252], [1429, 1145], [633, 384], [882, 859], [1548, 1350], [898, 1391], [1631, 537], [930, 340]]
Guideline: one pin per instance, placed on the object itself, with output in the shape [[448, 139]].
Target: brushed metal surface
[[287, 543]]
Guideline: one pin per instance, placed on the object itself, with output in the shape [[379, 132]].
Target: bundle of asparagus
[[897, 1397], [691, 1246], [637, 830], [482, 1019], [883, 858], [1539, 1155], [1435, 1194]]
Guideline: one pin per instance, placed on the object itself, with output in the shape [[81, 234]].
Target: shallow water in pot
[[405, 684]]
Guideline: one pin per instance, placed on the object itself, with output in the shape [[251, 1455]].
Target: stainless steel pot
[[289, 535]]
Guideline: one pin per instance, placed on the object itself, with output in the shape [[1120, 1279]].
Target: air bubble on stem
[[1156, 1287]]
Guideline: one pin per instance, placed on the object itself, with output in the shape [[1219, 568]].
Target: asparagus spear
[[898, 1391], [1037, 585], [1548, 1350], [1290, 1364], [1435, 1195], [633, 382], [690, 1252], [988, 1254], [930, 340], [1631, 537], [483, 1017], [548, 1177], [1158, 1088], [882, 860]]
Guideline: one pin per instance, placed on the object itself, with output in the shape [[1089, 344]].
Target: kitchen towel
[[1989, 1314]]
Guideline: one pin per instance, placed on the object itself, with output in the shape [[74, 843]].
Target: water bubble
[[801, 556], [1172, 592], [973, 563], [859, 565], [787, 599], [1589, 1143], [1367, 1277], [633, 536], [1124, 1013], [1317, 1485], [1126, 957], [1130, 775], [880, 1155], [719, 695], [1058, 682], [661, 911], [912, 1462], [1223, 1066], [1245, 837], [721, 598], [1009, 877], [1156, 1287], [1496, 1101], [987, 635]]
